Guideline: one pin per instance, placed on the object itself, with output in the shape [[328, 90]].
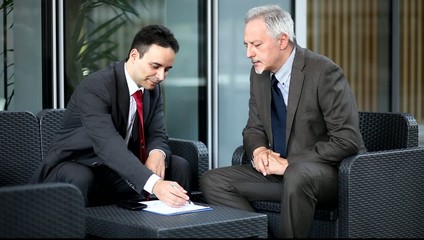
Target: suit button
[[95, 164]]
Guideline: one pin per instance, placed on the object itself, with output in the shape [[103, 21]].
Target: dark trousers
[[303, 186], [100, 185]]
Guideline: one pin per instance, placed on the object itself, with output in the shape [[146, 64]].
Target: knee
[[76, 174], [208, 180], [297, 178], [180, 164]]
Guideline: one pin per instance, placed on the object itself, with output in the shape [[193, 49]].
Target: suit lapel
[[296, 86], [123, 98], [261, 86]]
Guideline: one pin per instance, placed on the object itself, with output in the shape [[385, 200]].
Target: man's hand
[[268, 162], [170, 193], [276, 165], [156, 163], [260, 159]]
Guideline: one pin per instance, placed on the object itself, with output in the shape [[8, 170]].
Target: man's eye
[[155, 66]]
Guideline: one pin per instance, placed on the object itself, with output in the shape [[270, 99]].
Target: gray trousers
[[303, 186], [100, 185]]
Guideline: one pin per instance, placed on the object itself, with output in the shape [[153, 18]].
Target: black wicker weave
[[196, 154], [39, 210], [380, 191], [48, 210], [51, 120], [221, 222], [19, 147]]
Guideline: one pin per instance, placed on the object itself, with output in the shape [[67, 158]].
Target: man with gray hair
[[303, 121]]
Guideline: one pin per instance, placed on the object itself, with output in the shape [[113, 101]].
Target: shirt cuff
[[159, 151], [148, 187]]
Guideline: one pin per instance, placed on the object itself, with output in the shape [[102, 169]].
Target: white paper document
[[157, 206]]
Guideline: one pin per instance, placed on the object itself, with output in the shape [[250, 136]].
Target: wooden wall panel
[[347, 32], [411, 27]]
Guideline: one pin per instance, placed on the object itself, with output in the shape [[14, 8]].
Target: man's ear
[[134, 54], [283, 41]]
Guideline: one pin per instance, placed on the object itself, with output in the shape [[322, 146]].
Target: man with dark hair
[[113, 144]]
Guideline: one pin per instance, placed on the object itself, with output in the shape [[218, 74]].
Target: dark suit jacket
[[95, 125], [322, 117]]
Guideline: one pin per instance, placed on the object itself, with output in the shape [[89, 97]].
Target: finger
[[265, 162], [261, 168], [259, 165], [276, 154], [180, 193], [178, 190]]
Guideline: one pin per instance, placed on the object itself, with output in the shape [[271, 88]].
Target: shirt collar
[[283, 74]]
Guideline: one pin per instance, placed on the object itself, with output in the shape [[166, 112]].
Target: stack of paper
[[157, 206]]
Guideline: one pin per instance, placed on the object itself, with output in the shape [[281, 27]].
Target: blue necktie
[[278, 118]]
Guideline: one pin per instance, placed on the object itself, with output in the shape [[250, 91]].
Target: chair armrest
[[46, 210], [381, 194], [239, 156], [388, 130], [196, 153]]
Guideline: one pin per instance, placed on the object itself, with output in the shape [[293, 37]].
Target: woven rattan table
[[222, 222]]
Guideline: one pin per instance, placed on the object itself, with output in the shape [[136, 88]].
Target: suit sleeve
[[255, 132], [94, 102], [326, 126]]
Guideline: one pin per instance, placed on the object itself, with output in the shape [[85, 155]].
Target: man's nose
[[160, 74], [249, 52]]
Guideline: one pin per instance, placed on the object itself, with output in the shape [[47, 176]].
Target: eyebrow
[[156, 63]]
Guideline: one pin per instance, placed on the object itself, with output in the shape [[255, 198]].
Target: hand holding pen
[[171, 193], [175, 187]]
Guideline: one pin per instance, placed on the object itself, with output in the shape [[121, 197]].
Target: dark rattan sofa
[[54, 210], [381, 192]]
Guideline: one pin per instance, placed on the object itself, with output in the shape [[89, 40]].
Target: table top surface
[[113, 221], [218, 214]]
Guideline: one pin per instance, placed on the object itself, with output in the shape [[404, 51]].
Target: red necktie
[[138, 96]]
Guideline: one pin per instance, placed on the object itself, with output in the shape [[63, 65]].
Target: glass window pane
[[21, 60]]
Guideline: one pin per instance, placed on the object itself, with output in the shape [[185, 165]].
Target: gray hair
[[277, 20]]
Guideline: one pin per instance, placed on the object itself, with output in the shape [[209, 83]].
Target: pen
[[189, 201]]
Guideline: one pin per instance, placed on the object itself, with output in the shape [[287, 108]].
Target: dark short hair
[[153, 34]]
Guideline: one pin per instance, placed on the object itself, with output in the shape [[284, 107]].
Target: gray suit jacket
[[95, 125], [322, 117]]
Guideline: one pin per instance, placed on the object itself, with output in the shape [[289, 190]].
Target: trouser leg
[[99, 185], [304, 186], [179, 171], [236, 186]]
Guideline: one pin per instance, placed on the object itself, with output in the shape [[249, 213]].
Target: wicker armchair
[[37, 210], [193, 151], [380, 191]]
